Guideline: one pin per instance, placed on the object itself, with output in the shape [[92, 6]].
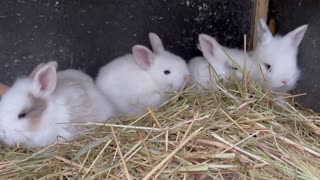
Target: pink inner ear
[[211, 49], [44, 82], [208, 48], [143, 57], [47, 79]]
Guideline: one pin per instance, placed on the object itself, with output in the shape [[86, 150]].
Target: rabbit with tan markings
[[142, 79], [38, 110]]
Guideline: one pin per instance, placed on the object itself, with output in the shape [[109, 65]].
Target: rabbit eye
[[22, 115], [234, 68], [268, 66], [166, 72]]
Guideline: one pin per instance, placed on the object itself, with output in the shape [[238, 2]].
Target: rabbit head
[[277, 57], [216, 56], [169, 71], [23, 108]]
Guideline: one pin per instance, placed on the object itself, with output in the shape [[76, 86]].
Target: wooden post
[[272, 26], [260, 11]]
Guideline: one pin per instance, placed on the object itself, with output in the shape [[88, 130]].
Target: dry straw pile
[[237, 132]]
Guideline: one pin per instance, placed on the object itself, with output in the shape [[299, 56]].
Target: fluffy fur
[[141, 79], [277, 57], [273, 63], [38, 110], [214, 65]]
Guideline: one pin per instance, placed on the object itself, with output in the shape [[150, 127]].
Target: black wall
[[290, 14], [85, 34]]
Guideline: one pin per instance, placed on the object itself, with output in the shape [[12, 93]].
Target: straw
[[221, 133]]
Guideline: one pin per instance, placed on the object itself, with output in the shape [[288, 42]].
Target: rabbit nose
[[284, 82]]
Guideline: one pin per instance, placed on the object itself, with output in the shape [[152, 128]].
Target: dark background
[[85, 34], [290, 14]]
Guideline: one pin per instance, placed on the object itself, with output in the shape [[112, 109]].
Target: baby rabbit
[[214, 65], [141, 79], [38, 109], [273, 63], [277, 57]]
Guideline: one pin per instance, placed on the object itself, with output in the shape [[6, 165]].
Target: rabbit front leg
[[152, 100]]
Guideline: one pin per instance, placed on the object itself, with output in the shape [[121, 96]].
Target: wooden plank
[[260, 11], [272, 26]]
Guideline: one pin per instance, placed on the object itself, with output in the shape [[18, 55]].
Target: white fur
[[201, 73], [281, 53], [136, 81], [278, 52], [214, 65], [74, 98]]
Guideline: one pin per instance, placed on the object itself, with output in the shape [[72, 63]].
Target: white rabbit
[[215, 64], [273, 63], [277, 57], [38, 109], [141, 79]]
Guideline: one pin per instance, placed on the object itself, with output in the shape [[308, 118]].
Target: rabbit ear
[[156, 43], [35, 70], [198, 47], [209, 46], [295, 37], [264, 34], [143, 56], [45, 78], [3, 89]]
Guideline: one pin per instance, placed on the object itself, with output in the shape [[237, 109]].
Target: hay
[[237, 132]]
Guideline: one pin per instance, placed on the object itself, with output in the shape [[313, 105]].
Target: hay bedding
[[237, 132]]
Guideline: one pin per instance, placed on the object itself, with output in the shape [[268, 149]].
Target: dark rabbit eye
[[22, 115], [234, 68], [166, 72], [268, 66]]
